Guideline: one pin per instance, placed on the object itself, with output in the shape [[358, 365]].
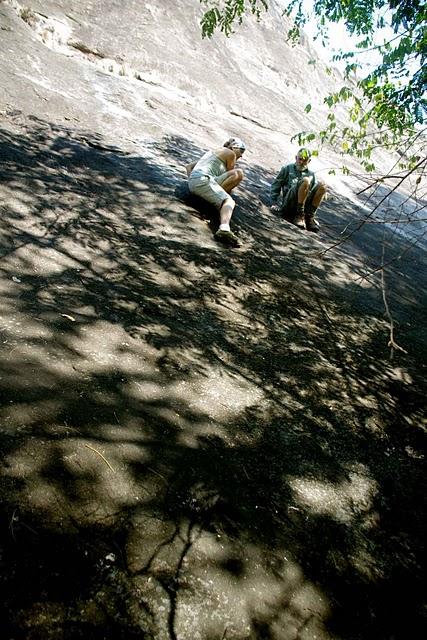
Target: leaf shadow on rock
[[190, 429]]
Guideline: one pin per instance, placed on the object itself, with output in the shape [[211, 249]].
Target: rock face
[[195, 442], [142, 69]]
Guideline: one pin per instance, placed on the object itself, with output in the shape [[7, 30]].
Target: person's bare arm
[[228, 158], [277, 187], [189, 167]]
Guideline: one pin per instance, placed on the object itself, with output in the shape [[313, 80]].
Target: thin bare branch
[[100, 455], [391, 343], [371, 213]]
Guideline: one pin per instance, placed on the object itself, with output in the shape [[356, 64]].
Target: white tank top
[[209, 165]]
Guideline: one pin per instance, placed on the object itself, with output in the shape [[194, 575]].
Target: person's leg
[[208, 188], [303, 190], [316, 198], [224, 233], [302, 195], [227, 181], [225, 214], [230, 179], [318, 195]]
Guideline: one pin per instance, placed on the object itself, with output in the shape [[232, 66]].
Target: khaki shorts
[[209, 188]]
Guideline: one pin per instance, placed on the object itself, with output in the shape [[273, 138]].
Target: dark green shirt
[[289, 177]]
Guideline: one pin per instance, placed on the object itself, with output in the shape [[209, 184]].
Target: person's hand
[[275, 207]]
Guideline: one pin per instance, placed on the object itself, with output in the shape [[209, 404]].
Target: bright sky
[[342, 41]]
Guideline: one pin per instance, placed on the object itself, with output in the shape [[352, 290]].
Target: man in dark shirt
[[296, 194]]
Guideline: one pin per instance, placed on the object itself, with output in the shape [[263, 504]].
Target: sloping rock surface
[[197, 443]]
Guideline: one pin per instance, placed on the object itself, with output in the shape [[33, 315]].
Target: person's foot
[[227, 237], [299, 220], [311, 224]]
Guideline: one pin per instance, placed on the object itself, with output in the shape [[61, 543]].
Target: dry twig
[[391, 343], [100, 455]]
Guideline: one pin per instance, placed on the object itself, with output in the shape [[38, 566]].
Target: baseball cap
[[236, 143], [304, 154]]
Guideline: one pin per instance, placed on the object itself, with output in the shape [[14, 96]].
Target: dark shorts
[[290, 199]]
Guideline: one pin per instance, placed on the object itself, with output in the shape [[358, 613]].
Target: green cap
[[304, 154]]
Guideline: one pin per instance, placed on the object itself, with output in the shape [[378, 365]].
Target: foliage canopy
[[391, 96]]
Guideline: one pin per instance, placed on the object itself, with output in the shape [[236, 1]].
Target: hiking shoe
[[227, 237], [299, 220], [311, 224]]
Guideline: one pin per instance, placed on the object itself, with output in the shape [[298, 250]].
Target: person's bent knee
[[306, 181], [228, 202], [236, 175]]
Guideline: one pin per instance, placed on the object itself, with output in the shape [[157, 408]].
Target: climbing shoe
[[228, 238], [311, 223], [299, 219]]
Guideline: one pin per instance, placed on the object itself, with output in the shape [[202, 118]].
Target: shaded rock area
[[196, 442]]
